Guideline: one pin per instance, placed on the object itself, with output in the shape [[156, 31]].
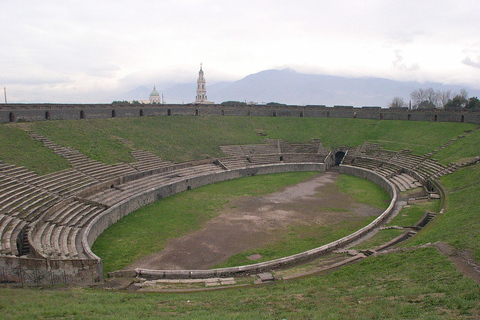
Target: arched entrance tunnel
[[339, 157]]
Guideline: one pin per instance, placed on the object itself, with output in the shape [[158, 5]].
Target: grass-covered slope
[[189, 138], [419, 284], [16, 147], [459, 226]]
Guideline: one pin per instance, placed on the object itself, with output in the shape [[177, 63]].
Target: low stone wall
[[39, 271], [43, 112], [294, 259]]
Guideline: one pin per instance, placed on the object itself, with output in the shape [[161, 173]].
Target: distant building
[[202, 89], [155, 96]]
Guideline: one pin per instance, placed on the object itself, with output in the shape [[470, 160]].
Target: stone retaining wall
[[42, 112]]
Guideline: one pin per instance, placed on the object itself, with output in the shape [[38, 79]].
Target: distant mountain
[[291, 87]]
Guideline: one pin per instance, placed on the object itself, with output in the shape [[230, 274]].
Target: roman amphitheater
[[48, 223]]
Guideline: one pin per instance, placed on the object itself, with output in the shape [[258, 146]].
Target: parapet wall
[[42, 112]]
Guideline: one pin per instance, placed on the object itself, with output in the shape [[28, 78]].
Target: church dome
[[154, 96], [154, 93]]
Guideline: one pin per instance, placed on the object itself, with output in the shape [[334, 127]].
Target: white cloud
[[117, 45], [400, 64], [472, 62]]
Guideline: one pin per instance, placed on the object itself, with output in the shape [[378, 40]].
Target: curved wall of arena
[[43, 112], [121, 210], [118, 211]]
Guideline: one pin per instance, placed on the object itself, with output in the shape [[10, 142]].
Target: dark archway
[[196, 112], [435, 118], [462, 118], [301, 114], [141, 112], [339, 157], [82, 114], [381, 116], [169, 112], [223, 112], [11, 117], [114, 113], [274, 114], [47, 115]]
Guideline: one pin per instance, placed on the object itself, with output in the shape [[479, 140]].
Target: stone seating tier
[[62, 182], [259, 149], [235, 162], [10, 229], [102, 172], [74, 214], [264, 159], [232, 150], [299, 148], [121, 192], [25, 202]]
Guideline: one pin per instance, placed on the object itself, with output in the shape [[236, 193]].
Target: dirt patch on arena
[[252, 222]]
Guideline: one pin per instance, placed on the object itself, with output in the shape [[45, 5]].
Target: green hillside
[[181, 139]]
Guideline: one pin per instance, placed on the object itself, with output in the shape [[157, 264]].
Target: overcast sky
[[83, 51]]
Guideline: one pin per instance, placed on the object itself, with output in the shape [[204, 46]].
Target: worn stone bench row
[[58, 233], [58, 241], [426, 169], [10, 230], [114, 195], [22, 200]]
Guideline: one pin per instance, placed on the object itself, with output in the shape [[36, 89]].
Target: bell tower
[[201, 88]]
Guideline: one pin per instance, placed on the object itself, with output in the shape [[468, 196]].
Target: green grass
[[462, 149], [129, 239], [16, 147], [460, 224], [420, 284], [188, 138], [182, 139], [364, 191], [407, 217]]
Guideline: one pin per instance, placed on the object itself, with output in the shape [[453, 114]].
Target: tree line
[[437, 99]]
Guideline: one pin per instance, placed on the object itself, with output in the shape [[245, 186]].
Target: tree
[[444, 97], [233, 103], [397, 102], [425, 104], [473, 103], [429, 98], [424, 98], [458, 102]]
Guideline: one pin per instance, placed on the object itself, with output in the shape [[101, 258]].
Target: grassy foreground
[[419, 284]]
